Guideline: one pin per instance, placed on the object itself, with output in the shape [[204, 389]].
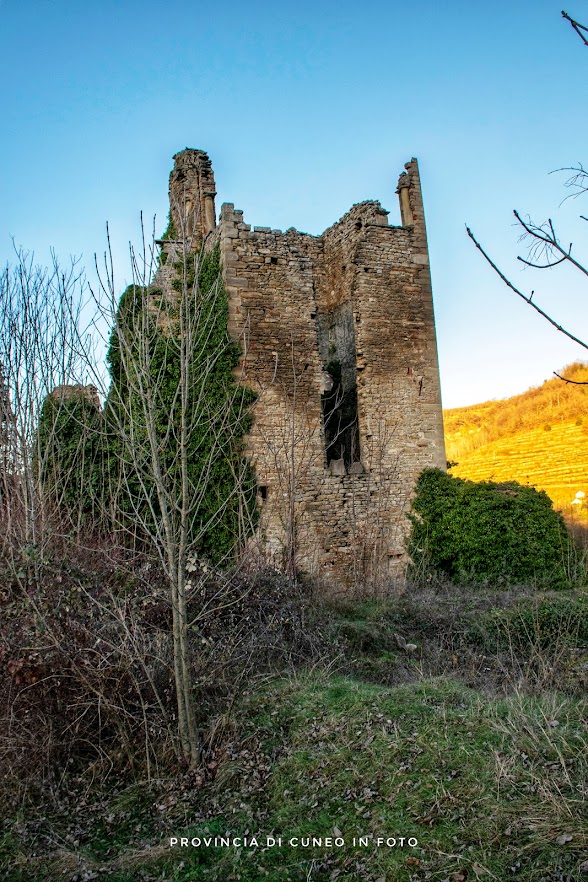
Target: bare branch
[[573, 382], [577, 182], [581, 30], [541, 265], [546, 235], [527, 298]]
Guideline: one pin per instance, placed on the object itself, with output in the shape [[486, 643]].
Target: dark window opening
[[263, 492], [273, 259], [339, 407]]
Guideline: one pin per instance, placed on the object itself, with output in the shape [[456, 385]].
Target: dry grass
[[487, 778]]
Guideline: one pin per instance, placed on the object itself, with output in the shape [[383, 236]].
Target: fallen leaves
[[563, 838]]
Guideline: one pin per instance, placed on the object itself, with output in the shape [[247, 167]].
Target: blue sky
[[305, 109]]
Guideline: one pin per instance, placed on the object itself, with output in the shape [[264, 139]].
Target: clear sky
[[305, 109]]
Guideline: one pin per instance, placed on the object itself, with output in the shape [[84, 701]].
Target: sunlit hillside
[[538, 438]]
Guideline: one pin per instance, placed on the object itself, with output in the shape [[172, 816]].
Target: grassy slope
[[430, 760], [483, 786], [538, 438], [491, 786]]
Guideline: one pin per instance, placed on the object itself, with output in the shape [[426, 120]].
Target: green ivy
[[70, 454], [487, 532], [88, 452], [169, 234]]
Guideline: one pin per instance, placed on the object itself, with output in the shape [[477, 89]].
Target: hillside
[[538, 438]]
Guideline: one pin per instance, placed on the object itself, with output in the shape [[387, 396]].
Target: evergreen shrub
[[500, 533], [70, 454]]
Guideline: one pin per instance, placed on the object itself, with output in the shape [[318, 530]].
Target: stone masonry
[[337, 335]]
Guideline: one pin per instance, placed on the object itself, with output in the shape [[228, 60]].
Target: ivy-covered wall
[[101, 463], [70, 455]]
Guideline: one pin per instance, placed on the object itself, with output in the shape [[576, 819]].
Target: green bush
[[69, 454], [545, 624], [487, 532]]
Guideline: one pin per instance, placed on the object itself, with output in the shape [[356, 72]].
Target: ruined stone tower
[[338, 340]]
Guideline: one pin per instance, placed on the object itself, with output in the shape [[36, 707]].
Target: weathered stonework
[[68, 392], [338, 339]]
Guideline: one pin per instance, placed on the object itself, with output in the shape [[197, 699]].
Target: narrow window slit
[[339, 407], [336, 339]]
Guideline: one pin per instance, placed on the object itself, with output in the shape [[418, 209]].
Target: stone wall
[[337, 332], [191, 195]]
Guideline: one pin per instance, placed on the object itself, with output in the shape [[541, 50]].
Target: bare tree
[[40, 326], [176, 416], [545, 249], [165, 452]]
